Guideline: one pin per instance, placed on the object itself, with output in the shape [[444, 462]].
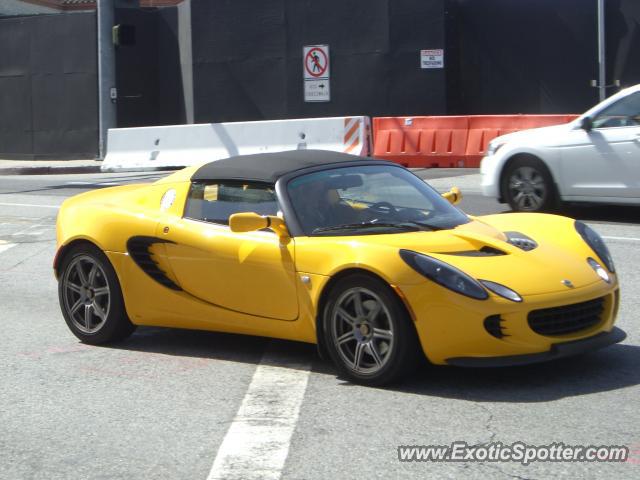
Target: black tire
[[527, 186], [383, 358], [91, 298]]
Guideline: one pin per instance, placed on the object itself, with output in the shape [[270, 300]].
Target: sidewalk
[[48, 167]]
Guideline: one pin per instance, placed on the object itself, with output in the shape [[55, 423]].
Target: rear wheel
[[368, 333], [528, 186], [91, 298]]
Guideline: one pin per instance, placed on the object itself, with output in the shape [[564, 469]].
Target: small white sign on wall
[[317, 91], [432, 58]]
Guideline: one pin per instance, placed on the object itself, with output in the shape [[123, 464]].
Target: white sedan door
[[605, 161]]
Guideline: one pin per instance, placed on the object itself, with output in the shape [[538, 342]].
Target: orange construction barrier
[[453, 141], [421, 141]]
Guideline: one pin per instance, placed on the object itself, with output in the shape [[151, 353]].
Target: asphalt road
[[160, 405]]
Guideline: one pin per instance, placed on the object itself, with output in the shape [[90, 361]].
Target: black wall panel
[[170, 86], [501, 56], [137, 70], [148, 73], [14, 47], [247, 57], [228, 30], [357, 27], [16, 136], [523, 57], [239, 60], [623, 41], [48, 87]]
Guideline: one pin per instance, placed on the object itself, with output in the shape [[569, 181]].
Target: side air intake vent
[[483, 252], [493, 325], [138, 248], [520, 240]]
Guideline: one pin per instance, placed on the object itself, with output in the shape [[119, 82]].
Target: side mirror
[[586, 124], [250, 222], [453, 196]]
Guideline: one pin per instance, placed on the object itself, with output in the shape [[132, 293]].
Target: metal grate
[[568, 318], [520, 240]]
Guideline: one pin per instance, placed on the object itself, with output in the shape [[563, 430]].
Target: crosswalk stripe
[[257, 442]]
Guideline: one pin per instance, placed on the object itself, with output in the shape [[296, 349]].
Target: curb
[[49, 170]]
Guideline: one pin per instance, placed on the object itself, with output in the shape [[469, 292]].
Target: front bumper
[[490, 179], [452, 329], [557, 350]]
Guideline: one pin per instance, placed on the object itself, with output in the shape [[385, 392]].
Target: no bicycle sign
[[315, 67]]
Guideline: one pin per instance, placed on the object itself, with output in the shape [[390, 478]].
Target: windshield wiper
[[409, 226], [426, 225]]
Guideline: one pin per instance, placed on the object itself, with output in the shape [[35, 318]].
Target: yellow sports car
[[359, 256]]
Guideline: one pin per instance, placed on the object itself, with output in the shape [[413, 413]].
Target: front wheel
[[90, 297], [367, 331], [529, 187]]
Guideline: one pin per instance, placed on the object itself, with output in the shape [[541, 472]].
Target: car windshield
[[366, 200], [623, 113]]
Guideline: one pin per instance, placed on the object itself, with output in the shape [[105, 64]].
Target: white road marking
[[628, 239], [6, 246], [257, 442], [28, 230], [98, 184], [28, 205]]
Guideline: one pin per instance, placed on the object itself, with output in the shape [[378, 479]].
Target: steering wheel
[[384, 208]]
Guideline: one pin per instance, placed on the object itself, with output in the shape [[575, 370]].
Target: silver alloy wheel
[[86, 294], [362, 331], [527, 188]]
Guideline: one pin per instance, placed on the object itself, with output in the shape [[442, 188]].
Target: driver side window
[[624, 113], [216, 201]]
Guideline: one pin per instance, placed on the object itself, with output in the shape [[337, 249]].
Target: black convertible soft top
[[268, 167]]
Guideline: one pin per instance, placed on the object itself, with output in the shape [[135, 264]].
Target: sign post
[[315, 67], [107, 111], [602, 52]]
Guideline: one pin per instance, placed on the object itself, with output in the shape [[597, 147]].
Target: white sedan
[[595, 159]]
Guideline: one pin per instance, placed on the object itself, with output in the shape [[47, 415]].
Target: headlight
[[444, 274], [591, 238], [493, 147]]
